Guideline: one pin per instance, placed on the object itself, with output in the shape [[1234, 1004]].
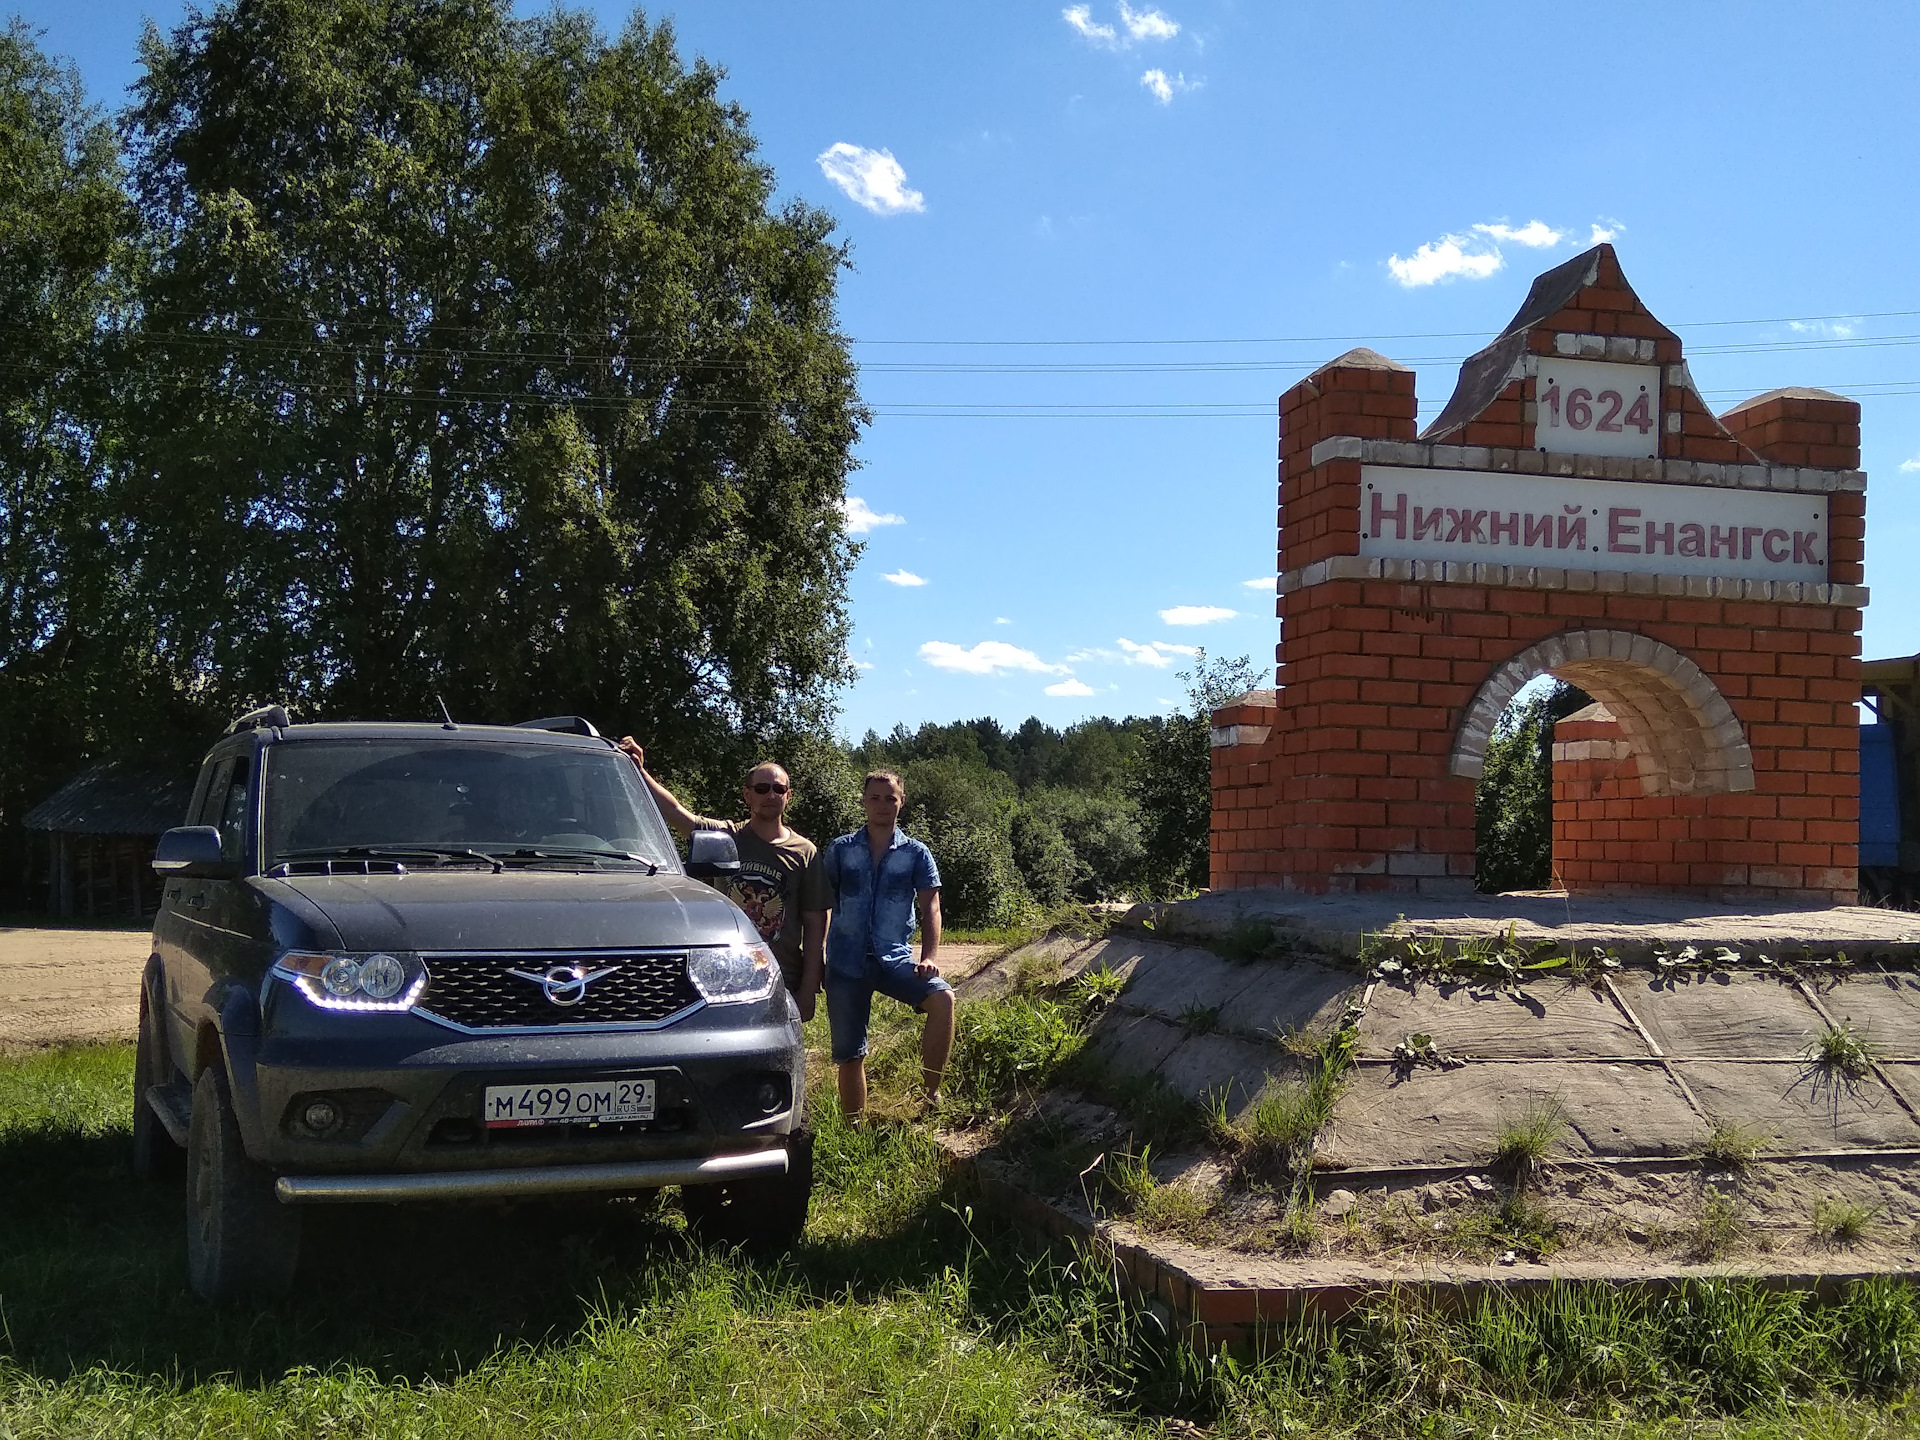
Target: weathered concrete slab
[[1883, 1008], [1289, 996], [1203, 1066], [1751, 1016], [1134, 1044], [1337, 924], [1452, 1117], [1541, 1022], [1168, 981], [1799, 1106]]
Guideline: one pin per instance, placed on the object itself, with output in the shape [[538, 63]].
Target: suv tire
[[240, 1239], [761, 1214], [155, 1156]]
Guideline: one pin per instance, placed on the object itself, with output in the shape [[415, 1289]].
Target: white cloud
[[1001, 620], [1165, 86], [1827, 329], [1535, 234], [1070, 687], [871, 179], [1448, 258], [863, 665], [1139, 24], [989, 657], [903, 577], [1603, 233], [1167, 647], [1147, 24], [1143, 655], [1080, 17], [1196, 614], [1264, 584], [1909, 467], [862, 517]]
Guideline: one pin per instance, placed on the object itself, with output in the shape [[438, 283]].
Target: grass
[[1719, 1224], [1198, 1019], [904, 1313], [1733, 1147], [1524, 1142], [1839, 1223], [1842, 1053]]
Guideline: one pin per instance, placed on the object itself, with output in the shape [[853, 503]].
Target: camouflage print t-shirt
[[777, 882]]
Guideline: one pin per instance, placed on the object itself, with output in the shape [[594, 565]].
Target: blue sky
[[1107, 238]]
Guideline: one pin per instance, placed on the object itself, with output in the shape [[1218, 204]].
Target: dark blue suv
[[405, 962]]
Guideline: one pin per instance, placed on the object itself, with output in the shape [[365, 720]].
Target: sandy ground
[[62, 985]]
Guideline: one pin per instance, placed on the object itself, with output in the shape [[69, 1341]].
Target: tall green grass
[[905, 1313]]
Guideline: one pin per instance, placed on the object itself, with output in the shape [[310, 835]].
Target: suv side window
[[232, 820], [210, 799]]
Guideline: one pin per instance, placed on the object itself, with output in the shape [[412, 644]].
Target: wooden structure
[[101, 827]]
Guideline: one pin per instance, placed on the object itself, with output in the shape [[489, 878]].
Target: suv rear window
[[337, 794]]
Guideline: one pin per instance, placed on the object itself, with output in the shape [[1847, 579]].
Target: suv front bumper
[[529, 1181]]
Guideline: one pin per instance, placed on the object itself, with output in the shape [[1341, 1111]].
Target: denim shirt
[[873, 905]]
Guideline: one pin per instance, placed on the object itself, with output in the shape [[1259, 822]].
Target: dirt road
[[61, 985]]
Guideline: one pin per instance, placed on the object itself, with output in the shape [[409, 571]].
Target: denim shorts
[[850, 1001]]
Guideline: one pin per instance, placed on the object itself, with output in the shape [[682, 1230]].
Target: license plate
[[586, 1102]]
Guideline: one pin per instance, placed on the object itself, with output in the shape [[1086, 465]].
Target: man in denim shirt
[[877, 879]]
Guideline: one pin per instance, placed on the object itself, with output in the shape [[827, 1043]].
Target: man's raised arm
[[677, 815]]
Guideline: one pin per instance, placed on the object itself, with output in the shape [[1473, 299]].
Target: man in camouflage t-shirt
[[779, 884]]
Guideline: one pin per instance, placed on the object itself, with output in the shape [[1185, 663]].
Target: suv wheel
[[766, 1213], [240, 1239], [155, 1156]]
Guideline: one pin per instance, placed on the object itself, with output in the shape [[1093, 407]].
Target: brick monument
[[1575, 510]]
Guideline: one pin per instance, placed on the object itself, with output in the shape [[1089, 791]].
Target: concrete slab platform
[[1798, 1106], [1134, 1044], [1338, 924], [1540, 1022], [1289, 997], [1203, 1066], [1885, 1009], [1169, 981], [1755, 1017], [1451, 1117]]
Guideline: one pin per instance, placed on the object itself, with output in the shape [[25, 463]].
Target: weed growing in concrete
[[1248, 940], [1181, 1209], [1097, 989], [1718, 1222], [1843, 1222], [1008, 1049], [1523, 1143], [1128, 1178], [1733, 1147], [1842, 1053], [1198, 1019]]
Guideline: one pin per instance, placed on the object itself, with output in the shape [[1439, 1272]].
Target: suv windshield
[[326, 796]]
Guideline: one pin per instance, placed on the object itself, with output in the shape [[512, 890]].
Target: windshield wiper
[[394, 852], [582, 852]]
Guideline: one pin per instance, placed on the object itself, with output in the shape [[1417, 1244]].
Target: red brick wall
[[1353, 788]]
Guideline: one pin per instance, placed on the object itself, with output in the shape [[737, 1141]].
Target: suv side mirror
[[712, 855], [192, 852]]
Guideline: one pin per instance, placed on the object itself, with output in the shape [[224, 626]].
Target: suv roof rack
[[564, 724], [266, 717]]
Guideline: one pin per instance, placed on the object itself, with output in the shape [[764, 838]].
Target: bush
[[1513, 803]]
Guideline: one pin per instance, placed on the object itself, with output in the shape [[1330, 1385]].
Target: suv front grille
[[477, 991]]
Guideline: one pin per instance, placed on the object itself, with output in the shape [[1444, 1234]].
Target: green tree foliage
[[476, 362], [64, 223], [1513, 803], [1173, 783]]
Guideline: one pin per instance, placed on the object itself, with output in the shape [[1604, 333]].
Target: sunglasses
[[767, 787]]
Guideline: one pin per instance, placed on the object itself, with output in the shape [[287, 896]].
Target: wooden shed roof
[[114, 800]]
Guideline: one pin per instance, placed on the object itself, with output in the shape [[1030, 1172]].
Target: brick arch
[[1683, 734]]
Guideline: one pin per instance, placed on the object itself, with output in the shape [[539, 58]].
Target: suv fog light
[[769, 1096], [739, 972], [320, 1116]]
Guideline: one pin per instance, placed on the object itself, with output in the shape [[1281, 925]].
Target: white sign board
[[1503, 519], [1590, 407]]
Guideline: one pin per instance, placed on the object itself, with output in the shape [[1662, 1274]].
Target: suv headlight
[[354, 979], [739, 972]]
